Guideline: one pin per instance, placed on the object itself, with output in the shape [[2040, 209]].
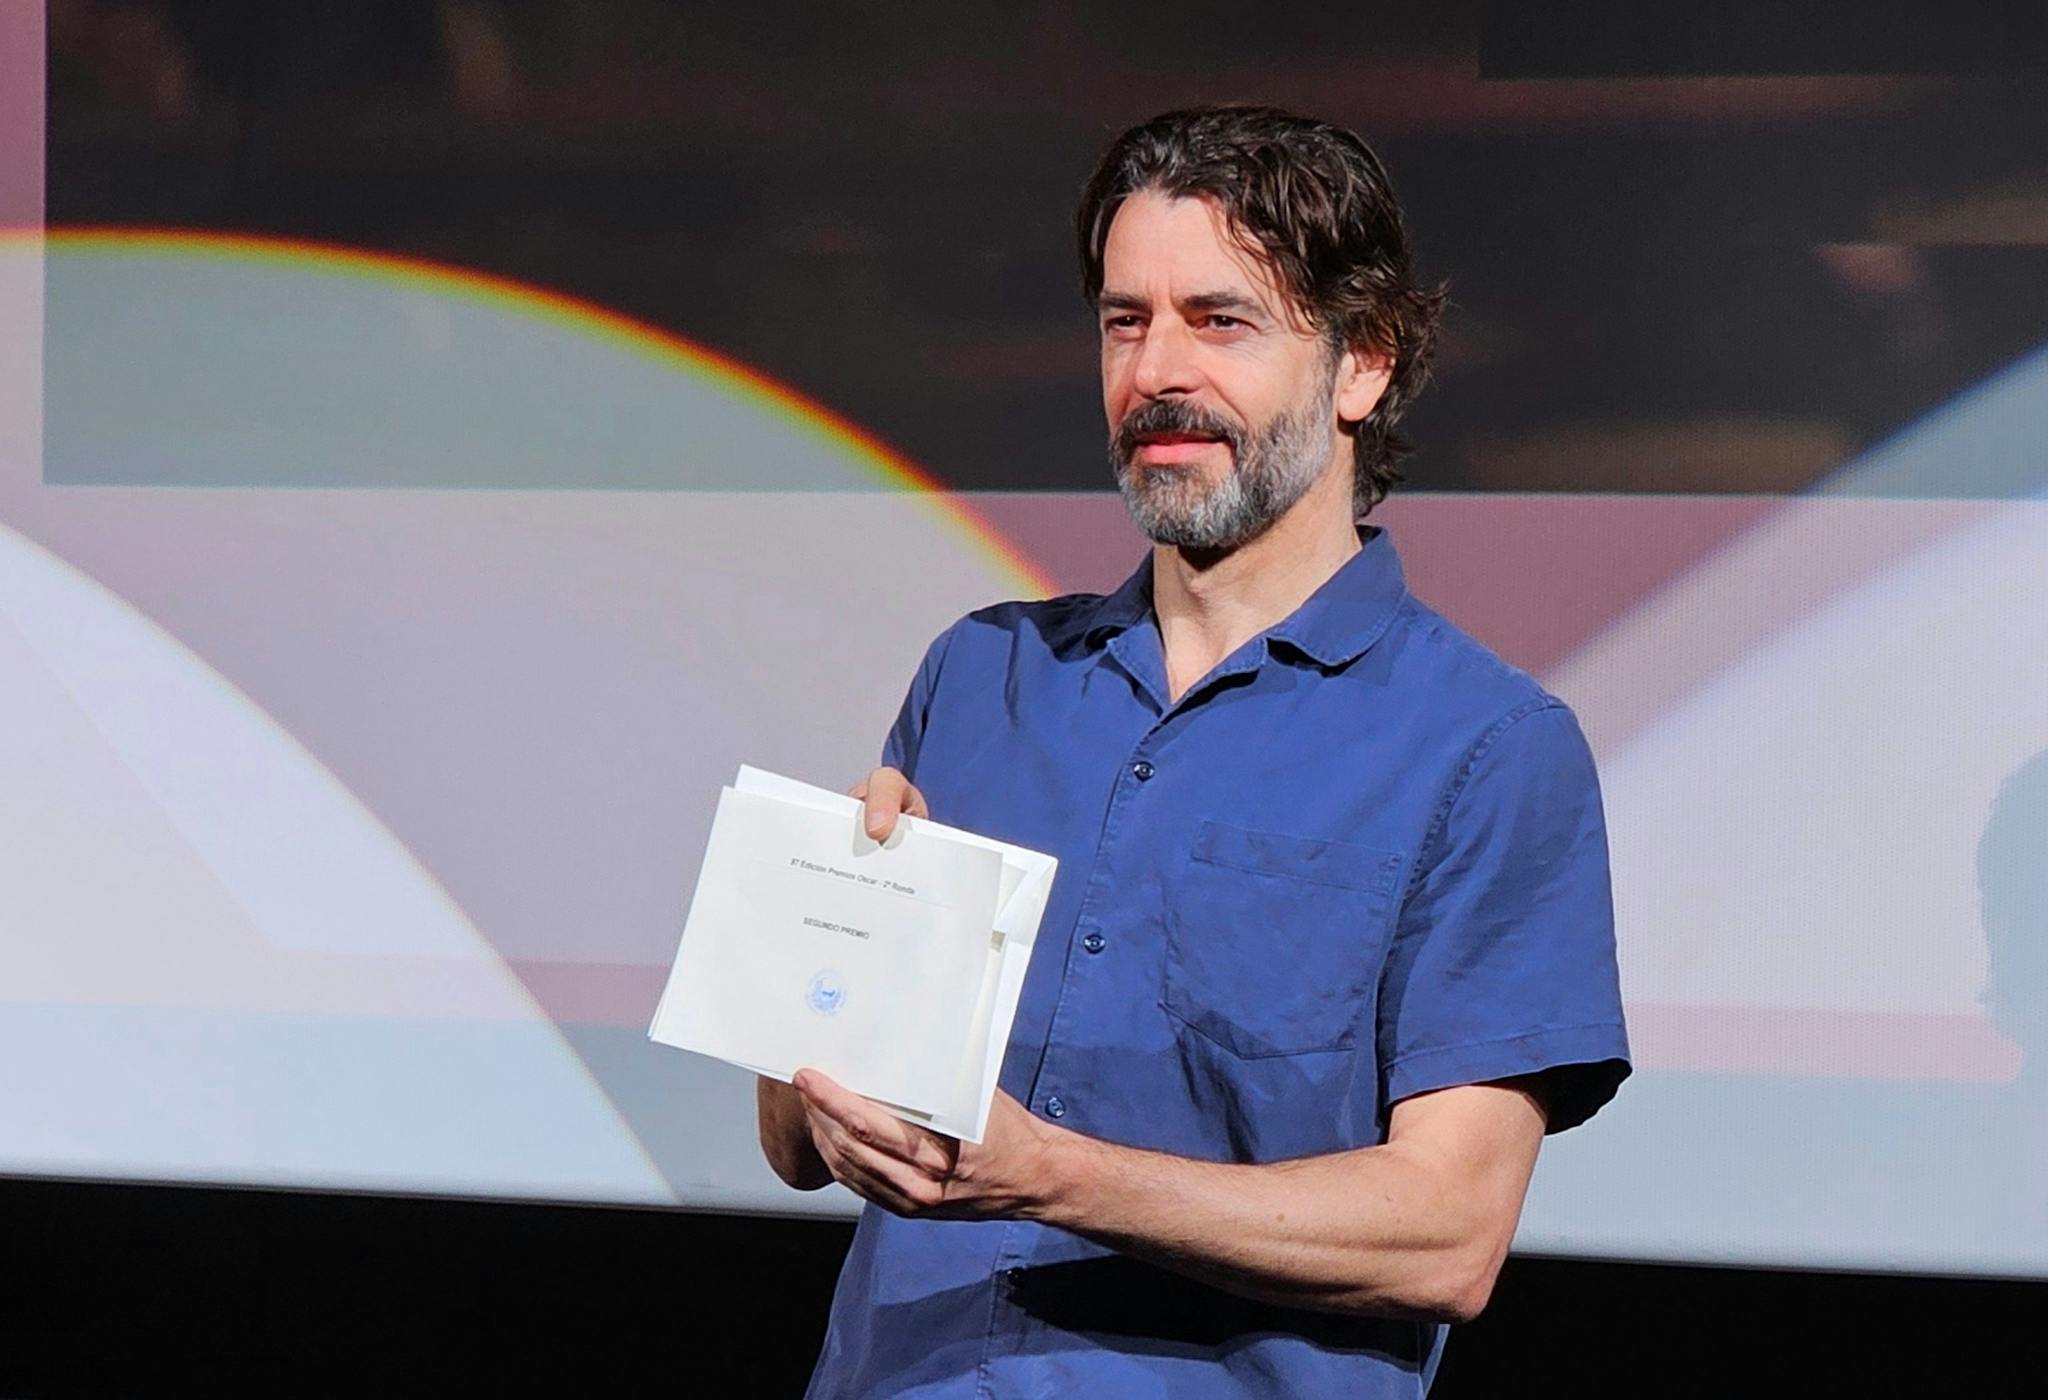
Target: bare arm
[[1417, 1227]]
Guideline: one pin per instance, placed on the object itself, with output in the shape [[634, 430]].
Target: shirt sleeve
[[906, 735], [1502, 962]]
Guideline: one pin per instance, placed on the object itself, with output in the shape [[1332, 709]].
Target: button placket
[[1122, 794]]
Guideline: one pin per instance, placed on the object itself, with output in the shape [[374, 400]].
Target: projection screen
[[375, 634]]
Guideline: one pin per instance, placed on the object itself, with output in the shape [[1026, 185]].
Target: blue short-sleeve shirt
[[1362, 859]]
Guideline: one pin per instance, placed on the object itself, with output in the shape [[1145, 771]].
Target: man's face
[[1221, 400]]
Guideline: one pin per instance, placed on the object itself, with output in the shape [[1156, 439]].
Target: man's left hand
[[913, 1171]]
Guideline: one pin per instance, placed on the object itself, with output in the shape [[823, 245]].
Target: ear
[[1362, 378]]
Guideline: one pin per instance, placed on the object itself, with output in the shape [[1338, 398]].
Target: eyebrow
[[1199, 301]]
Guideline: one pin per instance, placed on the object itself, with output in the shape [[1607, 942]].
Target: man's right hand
[[784, 1126]]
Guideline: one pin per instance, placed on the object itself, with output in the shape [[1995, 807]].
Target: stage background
[[439, 441]]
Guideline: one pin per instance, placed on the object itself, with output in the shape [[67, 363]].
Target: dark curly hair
[[1313, 203]]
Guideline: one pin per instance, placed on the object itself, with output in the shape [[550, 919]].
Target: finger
[[870, 1188], [884, 795], [833, 1109], [888, 1183], [848, 1161], [865, 1122], [882, 801]]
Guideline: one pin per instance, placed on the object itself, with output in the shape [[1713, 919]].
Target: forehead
[[1166, 245]]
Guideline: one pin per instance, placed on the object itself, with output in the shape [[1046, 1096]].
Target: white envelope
[[936, 982], [1027, 886]]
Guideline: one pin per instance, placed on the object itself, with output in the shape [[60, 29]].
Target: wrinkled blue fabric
[[1362, 859]]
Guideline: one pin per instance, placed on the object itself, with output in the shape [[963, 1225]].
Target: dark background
[[1691, 248], [125, 1290]]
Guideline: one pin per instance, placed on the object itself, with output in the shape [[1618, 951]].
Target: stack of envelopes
[[892, 967]]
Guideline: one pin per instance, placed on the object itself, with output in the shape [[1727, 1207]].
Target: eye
[[1225, 323]]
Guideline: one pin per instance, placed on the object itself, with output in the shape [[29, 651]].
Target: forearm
[[1376, 1230], [786, 1136]]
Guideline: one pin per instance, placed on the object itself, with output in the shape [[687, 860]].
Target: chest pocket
[[1273, 942]]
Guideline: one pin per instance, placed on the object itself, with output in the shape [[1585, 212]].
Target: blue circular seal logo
[[826, 993]]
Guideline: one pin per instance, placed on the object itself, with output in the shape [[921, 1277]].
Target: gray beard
[[1270, 471]]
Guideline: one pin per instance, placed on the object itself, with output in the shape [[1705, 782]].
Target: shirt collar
[[1334, 626]]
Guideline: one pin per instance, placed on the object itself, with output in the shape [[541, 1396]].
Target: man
[[1331, 944]]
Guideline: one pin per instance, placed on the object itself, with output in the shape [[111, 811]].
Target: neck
[[1209, 603]]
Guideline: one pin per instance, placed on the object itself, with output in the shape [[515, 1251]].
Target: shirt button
[[1055, 1107], [1013, 1276], [1142, 771], [1093, 942]]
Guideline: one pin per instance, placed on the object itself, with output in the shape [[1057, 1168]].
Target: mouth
[[1171, 449]]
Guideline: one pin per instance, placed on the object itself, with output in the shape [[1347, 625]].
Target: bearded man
[[1331, 946]]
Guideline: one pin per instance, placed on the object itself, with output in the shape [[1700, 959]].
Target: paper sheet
[[895, 969]]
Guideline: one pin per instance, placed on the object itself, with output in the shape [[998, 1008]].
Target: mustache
[[1175, 416]]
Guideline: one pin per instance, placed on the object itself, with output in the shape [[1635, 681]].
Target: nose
[[1165, 363]]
